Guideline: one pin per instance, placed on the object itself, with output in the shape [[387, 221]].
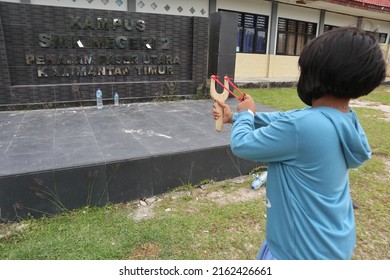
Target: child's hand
[[247, 103], [227, 112]]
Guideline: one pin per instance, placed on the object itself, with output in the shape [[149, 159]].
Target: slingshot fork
[[220, 97]]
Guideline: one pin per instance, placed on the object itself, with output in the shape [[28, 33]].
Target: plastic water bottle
[[259, 180], [116, 99], [99, 99]]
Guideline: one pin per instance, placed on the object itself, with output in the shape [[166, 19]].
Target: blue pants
[[265, 253]]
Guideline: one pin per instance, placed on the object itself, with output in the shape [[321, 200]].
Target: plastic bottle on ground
[[258, 180]]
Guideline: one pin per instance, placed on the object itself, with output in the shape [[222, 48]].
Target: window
[[328, 27], [252, 33], [380, 37], [293, 36]]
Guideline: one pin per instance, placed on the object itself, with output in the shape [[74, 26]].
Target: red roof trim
[[380, 3], [363, 4]]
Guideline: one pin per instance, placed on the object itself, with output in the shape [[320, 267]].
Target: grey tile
[[72, 123], [11, 117], [31, 146], [25, 163], [3, 147], [8, 131], [76, 151], [120, 147]]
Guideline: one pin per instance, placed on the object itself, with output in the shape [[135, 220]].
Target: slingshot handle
[[220, 97], [219, 121]]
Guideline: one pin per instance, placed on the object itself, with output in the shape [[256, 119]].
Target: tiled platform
[[51, 160]]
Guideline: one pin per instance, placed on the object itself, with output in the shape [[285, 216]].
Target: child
[[309, 151]]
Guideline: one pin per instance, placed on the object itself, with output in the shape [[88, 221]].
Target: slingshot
[[222, 97]]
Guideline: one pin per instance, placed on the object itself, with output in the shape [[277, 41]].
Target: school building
[[187, 41]]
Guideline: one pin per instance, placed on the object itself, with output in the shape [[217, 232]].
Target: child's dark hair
[[345, 62]]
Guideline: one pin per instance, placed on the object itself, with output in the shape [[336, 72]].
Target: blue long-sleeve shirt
[[309, 152]]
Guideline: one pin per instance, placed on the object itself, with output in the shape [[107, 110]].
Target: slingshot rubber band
[[215, 78], [235, 87]]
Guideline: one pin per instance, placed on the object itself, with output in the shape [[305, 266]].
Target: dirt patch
[[372, 105], [143, 251], [145, 208], [240, 195], [7, 231]]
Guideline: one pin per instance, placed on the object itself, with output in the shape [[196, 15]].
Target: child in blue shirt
[[309, 151]]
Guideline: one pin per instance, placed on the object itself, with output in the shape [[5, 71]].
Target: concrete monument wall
[[58, 55]]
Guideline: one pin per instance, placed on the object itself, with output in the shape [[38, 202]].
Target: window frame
[[293, 35], [258, 24], [380, 37], [255, 24]]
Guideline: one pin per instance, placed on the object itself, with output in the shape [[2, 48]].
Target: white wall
[[199, 8], [12, 1], [120, 5], [339, 19], [376, 25], [247, 6], [298, 13]]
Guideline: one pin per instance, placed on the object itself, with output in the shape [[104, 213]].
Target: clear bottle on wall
[[116, 99], [99, 99]]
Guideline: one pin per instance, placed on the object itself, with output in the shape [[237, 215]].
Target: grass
[[381, 94], [189, 231], [187, 223]]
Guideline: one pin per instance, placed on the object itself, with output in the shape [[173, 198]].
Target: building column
[[222, 44], [273, 28], [273, 33], [131, 6], [212, 6], [322, 22], [359, 22], [25, 1]]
